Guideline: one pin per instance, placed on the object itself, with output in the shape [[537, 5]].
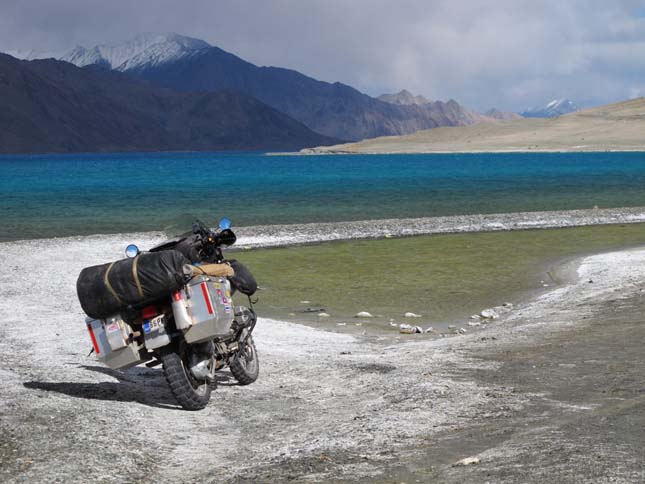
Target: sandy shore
[[327, 406]]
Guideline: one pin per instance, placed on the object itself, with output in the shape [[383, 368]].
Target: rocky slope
[[335, 110], [54, 106], [143, 50], [404, 97]]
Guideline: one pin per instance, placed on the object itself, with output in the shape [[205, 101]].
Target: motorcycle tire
[[190, 393], [245, 366]]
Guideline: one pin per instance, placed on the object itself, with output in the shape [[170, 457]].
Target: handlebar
[[211, 240]]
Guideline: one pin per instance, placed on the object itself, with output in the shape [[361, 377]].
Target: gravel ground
[[327, 406], [275, 235], [294, 234]]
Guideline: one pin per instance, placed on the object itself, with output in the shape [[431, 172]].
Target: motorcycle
[[172, 306]]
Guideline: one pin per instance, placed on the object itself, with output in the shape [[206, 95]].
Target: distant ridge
[[54, 106], [502, 115], [555, 108], [404, 98], [614, 127]]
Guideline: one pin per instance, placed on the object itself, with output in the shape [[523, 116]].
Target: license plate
[[154, 324]]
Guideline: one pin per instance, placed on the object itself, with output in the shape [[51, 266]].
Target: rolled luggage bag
[[242, 280], [106, 289]]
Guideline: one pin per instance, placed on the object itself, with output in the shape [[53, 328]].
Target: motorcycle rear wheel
[[245, 366], [190, 393]]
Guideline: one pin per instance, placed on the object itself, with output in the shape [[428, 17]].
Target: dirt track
[[327, 406]]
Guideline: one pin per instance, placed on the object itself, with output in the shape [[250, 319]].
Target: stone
[[489, 314], [429, 329], [323, 315], [452, 326], [363, 314], [508, 305], [475, 317], [305, 302], [462, 330], [411, 315], [314, 310], [407, 329], [474, 323], [341, 324], [468, 461]]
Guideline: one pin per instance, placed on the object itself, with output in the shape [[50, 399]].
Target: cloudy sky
[[511, 54]]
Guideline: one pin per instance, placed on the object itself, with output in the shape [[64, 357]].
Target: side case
[[210, 307], [110, 338]]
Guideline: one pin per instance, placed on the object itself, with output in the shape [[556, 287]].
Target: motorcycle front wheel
[[245, 366], [190, 393]]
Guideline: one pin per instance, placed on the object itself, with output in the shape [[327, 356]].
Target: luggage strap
[[135, 274], [106, 280]]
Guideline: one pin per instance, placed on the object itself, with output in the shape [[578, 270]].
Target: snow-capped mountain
[[557, 107], [144, 50]]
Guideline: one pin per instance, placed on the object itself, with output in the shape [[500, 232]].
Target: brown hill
[[614, 127]]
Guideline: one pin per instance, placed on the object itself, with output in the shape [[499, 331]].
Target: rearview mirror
[[131, 251], [224, 224]]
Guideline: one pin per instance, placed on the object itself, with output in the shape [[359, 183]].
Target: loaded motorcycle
[[173, 306]]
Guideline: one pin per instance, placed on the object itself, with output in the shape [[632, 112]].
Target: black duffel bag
[[109, 288], [243, 280]]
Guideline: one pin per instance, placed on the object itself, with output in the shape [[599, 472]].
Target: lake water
[[58, 195]]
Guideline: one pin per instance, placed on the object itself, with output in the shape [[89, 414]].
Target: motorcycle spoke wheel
[[190, 393]]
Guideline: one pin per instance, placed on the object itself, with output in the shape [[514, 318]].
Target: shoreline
[[350, 397], [281, 235], [299, 234], [323, 150]]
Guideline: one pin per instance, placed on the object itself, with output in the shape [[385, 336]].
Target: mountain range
[[464, 116], [245, 106], [332, 109], [54, 106]]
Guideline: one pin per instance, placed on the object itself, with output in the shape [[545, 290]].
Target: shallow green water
[[444, 277]]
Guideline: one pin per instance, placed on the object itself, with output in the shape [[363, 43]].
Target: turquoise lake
[[59, 195]]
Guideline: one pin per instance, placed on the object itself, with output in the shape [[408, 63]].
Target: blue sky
[[510, 54]]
